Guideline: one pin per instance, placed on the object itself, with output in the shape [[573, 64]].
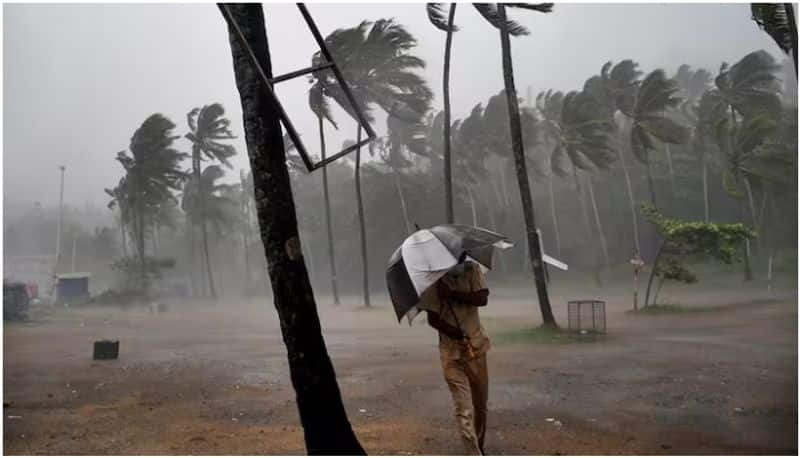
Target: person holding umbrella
[[463, 344], [441, 271]]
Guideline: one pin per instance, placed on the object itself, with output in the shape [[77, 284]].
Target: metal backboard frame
[[329, 64]]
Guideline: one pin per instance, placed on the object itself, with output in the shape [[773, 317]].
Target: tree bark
[[328, 225], [554, 216], [395, 175], [448, 171], [793, 30], [631, 200], [603, 244], [362, 227], [326, 427], [535, 251], [706, 213]]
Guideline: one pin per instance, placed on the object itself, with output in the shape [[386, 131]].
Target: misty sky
[[79, 79]]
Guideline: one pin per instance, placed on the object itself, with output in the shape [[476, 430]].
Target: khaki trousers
[[468, 381]]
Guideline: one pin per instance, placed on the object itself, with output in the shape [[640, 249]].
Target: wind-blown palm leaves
[[152, 175], [376, 62], [778, 20], [650, 124], [750, 85], [207, 127], [217, 208]]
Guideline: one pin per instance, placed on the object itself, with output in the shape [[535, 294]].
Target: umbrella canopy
[[428, 254]]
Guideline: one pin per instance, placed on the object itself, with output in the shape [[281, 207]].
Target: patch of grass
[[543, 335], [673, 309]]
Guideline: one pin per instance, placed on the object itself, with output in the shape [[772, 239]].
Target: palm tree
[[318, 102], [549, 105], [119, 199], [749, 90], [650, 123], [778, 20], [327, 430], [205, 203], [377, 64], [436, 16], [495, 14], [207, 127], [152, 175]]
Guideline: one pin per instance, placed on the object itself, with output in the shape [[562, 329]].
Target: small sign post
[[637, 266]]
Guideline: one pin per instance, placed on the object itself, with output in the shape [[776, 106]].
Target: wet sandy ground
[[213, 379]]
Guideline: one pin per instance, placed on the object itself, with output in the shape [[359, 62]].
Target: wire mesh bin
[[587, 316]]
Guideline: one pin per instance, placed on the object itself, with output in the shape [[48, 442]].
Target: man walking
[[452, 308]]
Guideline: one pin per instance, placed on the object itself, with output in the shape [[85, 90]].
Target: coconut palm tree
[[650, 123], [778, 20], [152, 175], [495, 14], [120, 200], [326, 427], [436, 16], [376, 61], [208, 126]]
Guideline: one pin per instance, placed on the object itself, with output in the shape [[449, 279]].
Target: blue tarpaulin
[[72, 286]]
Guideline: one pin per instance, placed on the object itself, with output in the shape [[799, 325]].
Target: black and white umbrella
[[428, 254]]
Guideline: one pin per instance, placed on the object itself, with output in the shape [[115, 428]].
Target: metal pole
[[74, 245], [60, 216]]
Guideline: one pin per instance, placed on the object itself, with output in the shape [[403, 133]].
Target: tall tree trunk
[[396, 176], [206, 253], [790, 17], [752, 205], [124, 240], [328, 225], [535, 251], [671, 171], [603, 244], [631, 199], [448, 168], [651, 186], [704, 159], [554, 216], [653, 273], [140, 240], [362, 227], [192, 263], [587, 225], [472, 207], [326, 427]]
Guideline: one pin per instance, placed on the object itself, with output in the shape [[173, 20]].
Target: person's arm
[[436, 322], [476, 298]]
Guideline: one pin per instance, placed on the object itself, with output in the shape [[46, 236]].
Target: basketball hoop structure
[[328, 64]]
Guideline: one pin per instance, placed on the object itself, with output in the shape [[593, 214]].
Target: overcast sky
[[79, 79]]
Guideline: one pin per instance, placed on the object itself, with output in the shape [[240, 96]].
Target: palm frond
[[490, 13], [438, 17], [773, 19]]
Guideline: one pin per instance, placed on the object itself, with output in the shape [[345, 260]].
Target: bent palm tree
[[495, 14], [436, 16], [375, 60], [207, 126]]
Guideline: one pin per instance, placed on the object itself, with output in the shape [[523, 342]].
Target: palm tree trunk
[[653, 273], [587, 225], [554, 216], [362, 227], [493, 222], [472, 206], [328, 225], [396, 176], [752, 205], [603, 244], [650, 184], [631, 200], [124, 240], [213, 291], [192, 263], [140, 237], [448, 171], [327, 430], [706, 213], [671, 170], [535, 251], [793, 32]]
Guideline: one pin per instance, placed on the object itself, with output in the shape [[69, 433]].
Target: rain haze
[[604, 265]]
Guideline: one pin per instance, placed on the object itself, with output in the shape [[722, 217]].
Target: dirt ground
[[213, 379]]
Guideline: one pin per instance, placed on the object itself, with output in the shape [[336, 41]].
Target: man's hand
[[436, 322]]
